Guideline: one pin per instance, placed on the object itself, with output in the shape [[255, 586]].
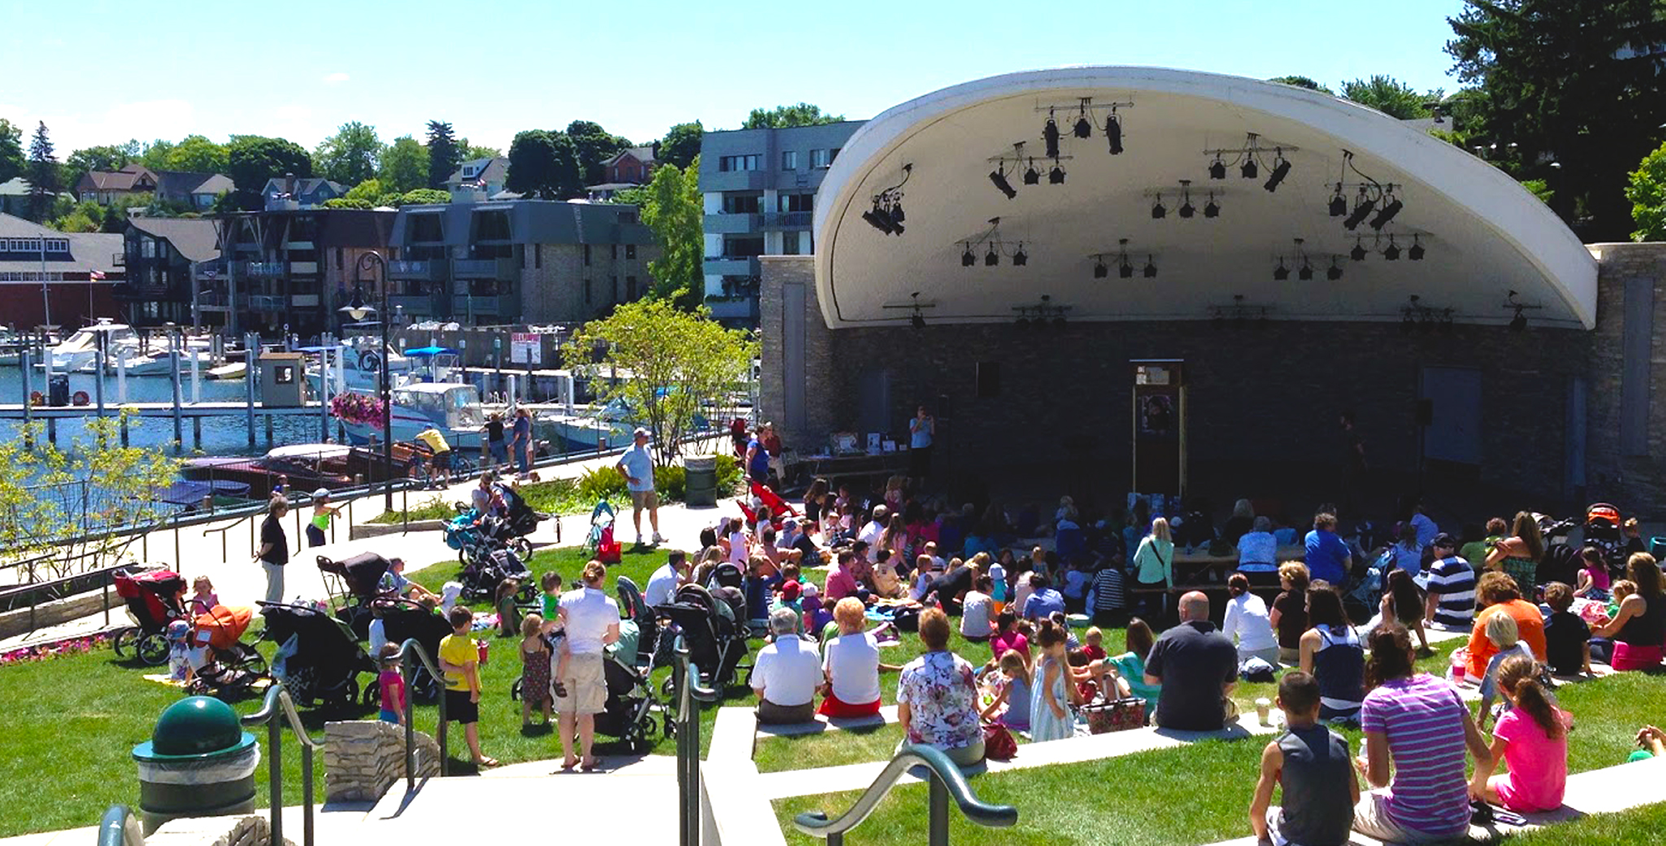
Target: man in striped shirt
[[1451, 588]]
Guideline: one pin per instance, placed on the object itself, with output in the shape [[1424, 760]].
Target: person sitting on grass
[[1197, 668], [977, 622], [786, 673], [1129, 667], [1403, 603], [937, 696], [1501, 631], [1416, 730], [1288, 615], [1531, 739], [1496, 593], [788, 599], [460, 661], [1011, 704], [1332, 653], [1007, 638], [1310, 763], [1043, 599], [850, 663], [1651, 742], [1247, 622], [1567, 637], [1594, 583], [1639, 629]]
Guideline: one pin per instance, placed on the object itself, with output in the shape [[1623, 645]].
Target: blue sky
[[115, 71]]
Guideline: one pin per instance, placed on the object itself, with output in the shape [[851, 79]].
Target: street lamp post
[[358, 309]]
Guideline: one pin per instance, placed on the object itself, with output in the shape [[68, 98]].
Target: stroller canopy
[[362, 572], [224, 624]]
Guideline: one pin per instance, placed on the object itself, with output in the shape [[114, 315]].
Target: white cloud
[[336, 78], [144, 120]]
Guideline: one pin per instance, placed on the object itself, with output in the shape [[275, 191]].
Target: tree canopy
[[593, 145], [781, 117], [251, 160], [108, 157], [45, 181], [1647, 193], [444, 155], [681, 144], [1302, 82], [544, 164], [1567, 82], [404, 165], [672, 207], [196, 154], [350, 156], [11, 151], [1390, 96], [678, 362], [467, 152], [155, 155]]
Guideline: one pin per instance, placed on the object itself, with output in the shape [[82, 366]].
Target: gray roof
[[194, 238], [87, 250], [644, 154], [184, 182], [496, 169], [17, 186], [535, 222]]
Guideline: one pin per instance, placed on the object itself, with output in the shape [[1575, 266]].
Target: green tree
[[350, 202], [251, 160], [443, 153], [108, 157], [467, 152], [350, 156], [681, 144], [679, 361], [197, 154], [675, 212], [423, 196], [544, 164], [1647, 193], [87, 216], [780, 117], [1390, 96], [155, 154], [404, 165], [1302, 82], [11, 151], [367, 190], [45, 180], [594, 145]]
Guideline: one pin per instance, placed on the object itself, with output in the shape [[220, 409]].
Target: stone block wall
[[363, 757], [252, 830]]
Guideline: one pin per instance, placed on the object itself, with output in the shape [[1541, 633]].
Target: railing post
[[410, 742], [939, 835], [306, 786], [274, 774]]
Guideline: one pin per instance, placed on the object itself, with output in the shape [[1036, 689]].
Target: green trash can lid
[[193, 728]]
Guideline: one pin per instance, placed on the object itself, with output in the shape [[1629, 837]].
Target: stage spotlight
[[1150, 270], [1031, 175], [918, 321], [878, 219], [1281, 169], [1392, 252], [1416, 251], [1125, 270], [1217, 168], [1020, 258], [1084, 127], [1361, 211], [1248, 170], [1157, 210], [1050, 135], [1100, 271], [1306, 273], [1187, 209], [1387, 213], [1519, 322], [1334, 272], [967, 259], [1358, 252], [1056, 175], [1113, 132], [1281, 272], [991, 258], [1000, 180], [1212, 209], [1338, 203]]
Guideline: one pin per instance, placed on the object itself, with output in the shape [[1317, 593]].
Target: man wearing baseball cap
[[1451, 588], [637, 466]]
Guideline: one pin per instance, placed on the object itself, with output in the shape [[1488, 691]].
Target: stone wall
[[1626, 479], [252, 830], [363, 757]]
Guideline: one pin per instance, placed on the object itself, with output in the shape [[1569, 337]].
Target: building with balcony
[[289, 269], [518, 261], [52, 277], [760, 191], [160, 255]]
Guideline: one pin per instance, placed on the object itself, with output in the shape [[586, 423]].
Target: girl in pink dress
[[1532, 738]]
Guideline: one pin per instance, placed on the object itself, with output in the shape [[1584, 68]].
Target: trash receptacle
[[198, 763], [700, 479], [57, 390]]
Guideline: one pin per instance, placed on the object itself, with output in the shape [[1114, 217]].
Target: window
[[789, 160], [819, 159], [737, 163], [630, 251], [147, 247], [789, 243], [796, 202], [587, 263], [586, 292], [630, 287], [57, 245], [741, 203], [833, 155], [491, 226], [469, 171], [743, 247]]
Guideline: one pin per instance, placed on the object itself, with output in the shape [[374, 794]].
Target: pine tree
[[443, 154], [44, 179]]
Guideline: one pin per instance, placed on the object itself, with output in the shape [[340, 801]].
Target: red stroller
[[153, 602], [777, 506]]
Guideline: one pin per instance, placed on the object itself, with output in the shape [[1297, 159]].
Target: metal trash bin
[[700, 480], [198, 763], [57, 390]]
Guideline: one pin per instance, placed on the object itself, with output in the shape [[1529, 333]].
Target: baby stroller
[[647, 623], [1364, 591], [404, 620], [766, 495], [472, 537], [519, 520], [1602, 530], [483, 576], [229, 666], [600, 543], [628, 711], [355, 581], [152, 602], [318, 658], [714, 635]]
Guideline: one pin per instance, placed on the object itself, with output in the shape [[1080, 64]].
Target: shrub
[[600, 483]]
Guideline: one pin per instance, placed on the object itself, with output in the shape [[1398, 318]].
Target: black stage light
[[1100, 271], [918, 321], [1187, 209], [1125, 270], [1387, 213], [1000, 180], [1084, 127], [1416, 251], [1031, 175], [1212, 209], [1113, 132], [1306, 272], [1056, 175], [1361, 211], [1217, 169], [896, 214], [1281, 272], [1280, 170], [1157, 211], [967, 259], [1338, 203], [991, 258], [1050, 134], [1020, 258], [1358, 252], [1334, 272], [1248, 170], [1519, 322], [1392, 252], [1150, 269], [878, 219]]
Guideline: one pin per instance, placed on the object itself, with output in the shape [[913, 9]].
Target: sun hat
[[790, 591]]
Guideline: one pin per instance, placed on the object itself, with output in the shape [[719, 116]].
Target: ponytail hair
[[1518, 676], [1391, 656], [1049, 633]]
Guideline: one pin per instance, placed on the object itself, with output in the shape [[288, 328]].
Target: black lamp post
[[358, 309]]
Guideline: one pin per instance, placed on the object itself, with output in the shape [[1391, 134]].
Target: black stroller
[[318, 657], [404, 620], [714, 635], [518, 521], [1602, 530], [484, 574], [357, 582]]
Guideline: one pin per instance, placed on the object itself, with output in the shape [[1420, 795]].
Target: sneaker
[[658, 539], [639, 540]]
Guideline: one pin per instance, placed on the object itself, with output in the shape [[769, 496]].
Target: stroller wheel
[[527, 594], [153, 648], [253, 662], [348, 693], [515, 691], [372, 694], [647, 727], [521, 547], [670, 726], [123, 641]]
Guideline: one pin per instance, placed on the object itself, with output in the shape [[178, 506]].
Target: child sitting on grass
[[1310, 762], [1567, 636], [535, 669], [1093, 644], [1531, 739], [1011, 705], [1593, 576], [391, 685], [460, 661], [1502, 631]]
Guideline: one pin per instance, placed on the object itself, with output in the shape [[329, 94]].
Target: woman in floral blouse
[[937, 696]]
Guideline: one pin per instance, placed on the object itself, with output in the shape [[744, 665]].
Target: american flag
[[96, 275]]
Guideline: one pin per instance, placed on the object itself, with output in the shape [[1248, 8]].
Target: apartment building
[[288, 270]]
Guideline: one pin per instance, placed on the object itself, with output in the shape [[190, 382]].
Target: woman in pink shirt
[[841, 582], [1007, 638], [1532, 739]]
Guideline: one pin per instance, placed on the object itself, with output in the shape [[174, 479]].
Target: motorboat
[[229, 370], [160, 363], [356, 364], [451, 407], [80, 350], [308, 466]]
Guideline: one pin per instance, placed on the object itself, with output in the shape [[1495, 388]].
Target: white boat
[[229, 370], [359, 362], [452, 407], [80, 350], [161, 364]]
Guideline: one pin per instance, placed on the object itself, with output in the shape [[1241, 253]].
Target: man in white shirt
[[786, 673], [591, 620], [637, 466], [875, 527], [663, 584]]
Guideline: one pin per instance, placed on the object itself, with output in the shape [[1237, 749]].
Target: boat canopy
[[421, 352]]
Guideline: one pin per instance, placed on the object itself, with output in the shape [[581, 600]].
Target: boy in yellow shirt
[[460, 661]]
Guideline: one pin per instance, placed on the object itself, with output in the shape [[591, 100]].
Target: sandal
[[590, 766], [567, 765], [486, 762]]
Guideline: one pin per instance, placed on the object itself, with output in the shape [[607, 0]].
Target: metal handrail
[[947, 781], [277, 698], [407, 650], [692, 694], [120, 827]]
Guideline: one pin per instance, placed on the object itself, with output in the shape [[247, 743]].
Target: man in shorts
[[591, 620], [440, 465], [637, 466]]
